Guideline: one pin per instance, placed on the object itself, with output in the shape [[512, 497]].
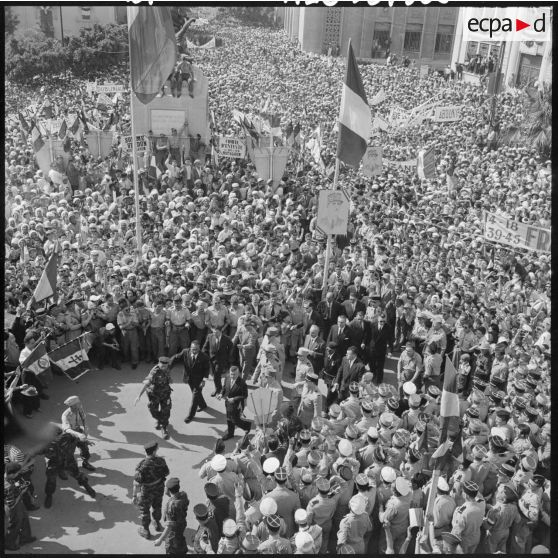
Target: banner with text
[[447, 114], [372, 161], [233, 148], [516, 234], [141, 144]]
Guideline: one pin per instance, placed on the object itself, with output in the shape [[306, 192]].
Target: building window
[[412, 38], [381, 40], [332, 29], [472, 47], [444, 39]]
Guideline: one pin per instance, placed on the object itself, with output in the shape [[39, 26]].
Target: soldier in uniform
[[467, 519], [59, 455], [207, 532], [396, 514], [500, 518], [148, 488], [157, 385], [320, 510], [174, 515], [73, 422], [275, 544], [18, 530], [178, 318], [332, 361], [351, 405], [355, 526], [315, 531], [530, 507]]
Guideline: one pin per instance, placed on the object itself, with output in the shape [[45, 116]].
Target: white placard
[[372, 161], [162, 121], [333, 212], [447, 114], [234, 148]]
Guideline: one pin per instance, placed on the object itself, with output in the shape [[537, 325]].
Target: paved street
[[109, 524]]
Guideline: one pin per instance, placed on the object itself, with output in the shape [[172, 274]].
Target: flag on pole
[[63, 129], [354, 117], [37, 139], [72, 358], [276, 125], [314, 145], [24, 124], [265, 106], [289, 137], [37, 361], [46, 287], [152, 49], [297, 133], [449, 407]]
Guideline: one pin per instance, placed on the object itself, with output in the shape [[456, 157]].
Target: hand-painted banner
[[447, 114], [409, 164], [372, 161], [516, 234], [234, 148]]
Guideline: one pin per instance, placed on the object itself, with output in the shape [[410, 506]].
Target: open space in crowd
[[225, 301]]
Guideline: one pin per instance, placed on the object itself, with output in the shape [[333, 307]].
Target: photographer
[[18, 527]]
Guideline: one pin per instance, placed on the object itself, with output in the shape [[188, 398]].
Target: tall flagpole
[[329, 245], [134, 155]]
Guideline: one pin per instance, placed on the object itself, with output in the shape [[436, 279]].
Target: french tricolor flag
[[355, 120]]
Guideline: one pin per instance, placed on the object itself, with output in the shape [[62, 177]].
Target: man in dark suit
[[196, 369], [360, 334], [341, 334], [332, 361], [329, 310], [351, 370], [353, 305], [310, 317], [235, 392], [316, 345], [380, 343], [218, 347]]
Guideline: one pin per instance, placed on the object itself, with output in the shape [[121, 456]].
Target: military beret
[[471, 488], [388, 474], [273, 521], [384, 391], [270, 465], [345, 447], [367, 406], [497, 396], [335, 410], [345, 472], [306, 477], [268, 506], [150, 446], [528, 463], [473, 412], [211, 490], [409, 388], [201, 511], [479, 452], [351, 432], [353, 387], [511, 492], [393, 404], [219, 463], [415, 452], [386, 419], [362, 480], [538, 480], [323, 485], [520, 402], [530, 411], [415, 400], [433, 391], [373, 433], [519, 386], [398, 440], [498, 442], [281, 474], [379, 454], [475, 426], [503, 414], [443, 484], [506, 469], [229, 527], [173, 482]]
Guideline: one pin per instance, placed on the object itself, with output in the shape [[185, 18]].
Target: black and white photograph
[[277, 278]]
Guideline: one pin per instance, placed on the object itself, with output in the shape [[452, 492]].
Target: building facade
[[58, 21], [420, 33], [523, 63]]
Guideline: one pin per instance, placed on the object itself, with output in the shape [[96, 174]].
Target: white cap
[[373, 432], [219, 463], [345, 448], [300, 516], [409, 388], [304, 541], [229, 527], [443, 484], [388, 474], [403, 486], [268, 506], [270, 465], [357, 504]]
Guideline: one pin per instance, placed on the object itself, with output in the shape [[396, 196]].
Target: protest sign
[[516, 234], [109, 88], [333, 212], [372, 161], [141, 144], [234, 148], [447, 114], [426, 164]]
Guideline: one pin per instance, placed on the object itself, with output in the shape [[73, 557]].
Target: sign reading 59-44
[[516, 234]]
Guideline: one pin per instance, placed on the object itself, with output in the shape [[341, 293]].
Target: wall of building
[[358, 24], [73, 17]]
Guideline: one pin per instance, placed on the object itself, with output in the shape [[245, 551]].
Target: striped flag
[[63, 129], [46, 287], [449, 408], [37, 139], [72, 358], [37, 362], [275, 125], [24, 124], [354, 117], [152, 49]]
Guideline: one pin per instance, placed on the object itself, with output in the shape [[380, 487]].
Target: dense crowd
[[226, 253]]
